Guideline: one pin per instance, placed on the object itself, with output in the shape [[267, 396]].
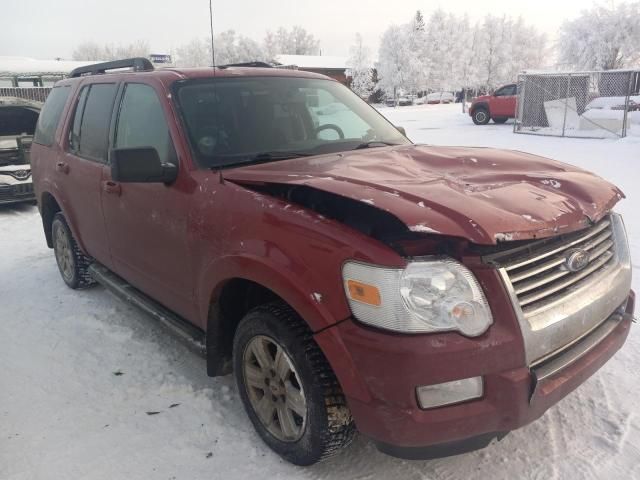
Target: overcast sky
[[50, 28]]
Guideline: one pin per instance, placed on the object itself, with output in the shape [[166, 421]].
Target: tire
[[500, 120], [317, 421], [72, 263], [481, 116]]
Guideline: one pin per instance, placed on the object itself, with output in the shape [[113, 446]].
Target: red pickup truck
[[434, 298], [498, 107]]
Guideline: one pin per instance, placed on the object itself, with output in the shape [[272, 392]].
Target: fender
[[475, 106], [283, 282]]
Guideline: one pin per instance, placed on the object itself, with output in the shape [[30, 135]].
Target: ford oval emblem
[[577, 259]]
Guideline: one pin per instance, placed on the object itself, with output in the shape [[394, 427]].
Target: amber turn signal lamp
[[365, 293]]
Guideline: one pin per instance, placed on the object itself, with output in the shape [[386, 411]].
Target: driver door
[[504, 103]]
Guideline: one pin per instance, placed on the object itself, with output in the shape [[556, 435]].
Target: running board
[[185, 331]]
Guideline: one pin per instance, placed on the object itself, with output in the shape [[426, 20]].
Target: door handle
[[62, 167], [111, 187]]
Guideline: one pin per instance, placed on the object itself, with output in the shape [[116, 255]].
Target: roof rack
[[138, 64], [247, 64]]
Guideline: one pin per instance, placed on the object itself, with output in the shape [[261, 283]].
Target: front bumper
[[18, 193], [391, 366]]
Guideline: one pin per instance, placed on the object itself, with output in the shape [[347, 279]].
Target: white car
[[18, 120], [440, 97]]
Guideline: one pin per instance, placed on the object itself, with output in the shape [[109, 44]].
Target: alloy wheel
[[274, 389]]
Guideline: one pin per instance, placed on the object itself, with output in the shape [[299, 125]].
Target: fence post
[[626, 105], [515, 121], [566, 104]]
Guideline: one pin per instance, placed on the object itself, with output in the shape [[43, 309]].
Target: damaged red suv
[[431, 298]]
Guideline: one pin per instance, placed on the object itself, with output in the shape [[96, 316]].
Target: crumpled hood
[[482, 194]]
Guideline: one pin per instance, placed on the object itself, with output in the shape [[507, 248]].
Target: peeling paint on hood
[[482, 194]]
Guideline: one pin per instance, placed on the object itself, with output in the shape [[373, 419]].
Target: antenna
[[213, 52]]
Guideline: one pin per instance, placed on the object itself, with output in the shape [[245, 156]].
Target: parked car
[[498, 107], [405, 101], [440, 97], [433, 298], [18, 120]]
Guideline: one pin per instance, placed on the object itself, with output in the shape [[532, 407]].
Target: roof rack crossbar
[[138, 64], [247, 64]]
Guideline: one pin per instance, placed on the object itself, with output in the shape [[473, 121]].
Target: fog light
[[430, 396]]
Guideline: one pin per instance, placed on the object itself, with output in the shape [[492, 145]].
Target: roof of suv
[[170, 75]]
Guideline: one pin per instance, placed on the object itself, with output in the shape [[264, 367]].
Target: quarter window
[[141, 122], [50, 115]]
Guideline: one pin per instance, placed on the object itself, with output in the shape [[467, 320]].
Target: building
[[334, 67]]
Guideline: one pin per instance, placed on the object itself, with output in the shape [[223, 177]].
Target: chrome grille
[[539, 274]]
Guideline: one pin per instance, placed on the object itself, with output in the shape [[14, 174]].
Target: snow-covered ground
[[82, 375]]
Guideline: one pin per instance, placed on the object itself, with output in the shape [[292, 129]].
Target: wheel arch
[[49, 206], [479, 105], [234, 285]]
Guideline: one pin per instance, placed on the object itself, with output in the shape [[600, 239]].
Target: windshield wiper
[[276, 155], [374, 144]]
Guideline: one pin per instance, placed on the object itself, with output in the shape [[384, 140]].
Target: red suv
[[498, 107], [434, 298]]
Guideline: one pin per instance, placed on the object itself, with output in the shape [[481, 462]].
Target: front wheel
[[480, 116], [287, 387]]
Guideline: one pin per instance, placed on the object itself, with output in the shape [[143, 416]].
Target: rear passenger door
[[80, 170], [147, 222]]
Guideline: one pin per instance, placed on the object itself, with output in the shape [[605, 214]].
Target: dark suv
[[434, 298]]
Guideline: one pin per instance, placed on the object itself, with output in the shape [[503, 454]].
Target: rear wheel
[[499, 120], [480, 116], [287, 387], [72, 263]]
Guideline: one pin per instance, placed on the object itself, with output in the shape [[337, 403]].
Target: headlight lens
[[430, 295]]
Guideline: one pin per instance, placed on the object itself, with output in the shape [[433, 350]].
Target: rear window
[[50, 115], [17, 121]]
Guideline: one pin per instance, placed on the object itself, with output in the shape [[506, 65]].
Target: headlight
[[433, 294]]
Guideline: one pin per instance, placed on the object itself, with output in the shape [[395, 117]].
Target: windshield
[[234, 121]]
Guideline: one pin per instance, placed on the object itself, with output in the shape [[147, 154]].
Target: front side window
[[235, 121], [90, 129], [141, 122], [50, 115]]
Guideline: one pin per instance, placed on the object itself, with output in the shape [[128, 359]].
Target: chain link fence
[[34, 94], [582, 104]]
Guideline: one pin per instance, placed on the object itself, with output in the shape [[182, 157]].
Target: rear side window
[[90, 130], [141, 122], [50, 115]]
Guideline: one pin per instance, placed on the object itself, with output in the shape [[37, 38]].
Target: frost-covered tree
[[360, 69], [450, 53], [88, 51], [296, 41], [93, 51], [229, 48], [418, 22], [196, 53], [604, 37], [394, 61]]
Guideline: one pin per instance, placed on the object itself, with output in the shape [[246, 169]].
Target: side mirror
[[140, 165], [401, 130]]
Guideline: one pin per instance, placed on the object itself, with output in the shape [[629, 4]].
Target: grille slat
[[543, 276], [527, 299], [529, 260]]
